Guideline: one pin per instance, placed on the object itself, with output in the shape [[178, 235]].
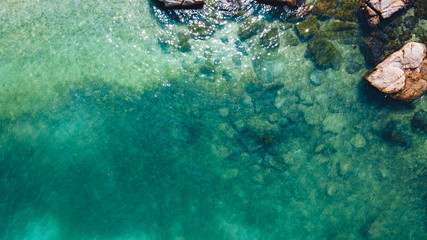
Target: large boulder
[[403, 74], [377, 10], [182, 3]]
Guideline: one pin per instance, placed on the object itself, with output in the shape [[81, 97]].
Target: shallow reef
[[128, 121]]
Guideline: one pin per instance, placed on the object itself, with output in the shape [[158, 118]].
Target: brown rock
[[376, 10], [414, 87], [403, 74]]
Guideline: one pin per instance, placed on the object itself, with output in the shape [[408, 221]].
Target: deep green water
[[110, 130]]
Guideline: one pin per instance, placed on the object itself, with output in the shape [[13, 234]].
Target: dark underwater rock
[[396, 132], [410, 22], [353, 65], [325, 8], [270, 38], [308, 27], [249, 28], [323, 53], [338, 26], [289, 3], [419, 121], [344, 10], [341, 31], [420, 7], [182, 3], [202, 30], [291, 39], [208, 68], [375, 45], [183, 42]]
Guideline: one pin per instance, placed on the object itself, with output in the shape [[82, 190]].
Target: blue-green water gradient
[[112, 128]]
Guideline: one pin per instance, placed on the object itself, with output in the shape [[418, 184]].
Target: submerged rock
[[270, 38], [183, 42], [337, 26], [358, 141], [308, 27], [334, 123], [202, 30], [396, 132], [182, 3], [375, 46], [402, 75], [323, 53], [316, 77], [377, 10], [419, 121], [344, 10], [421, 9], [249, 28], [291, 39], [325, 7], [289, 3]]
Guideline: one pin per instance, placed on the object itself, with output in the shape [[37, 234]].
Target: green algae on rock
[[270, 38], [308, 27], [250, 27], [358, 141], [291, 39], [323, 52], [201, 30], [344, 10], [184, 42]]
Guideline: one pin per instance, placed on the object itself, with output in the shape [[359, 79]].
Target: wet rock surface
[[377, 10], [402, 74]]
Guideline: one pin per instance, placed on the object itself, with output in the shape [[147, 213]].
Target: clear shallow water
[[110, 130]]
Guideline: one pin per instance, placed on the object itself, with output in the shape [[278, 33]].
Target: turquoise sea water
[[116, 124]]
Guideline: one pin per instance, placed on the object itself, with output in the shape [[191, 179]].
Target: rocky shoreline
[[388, 31]]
